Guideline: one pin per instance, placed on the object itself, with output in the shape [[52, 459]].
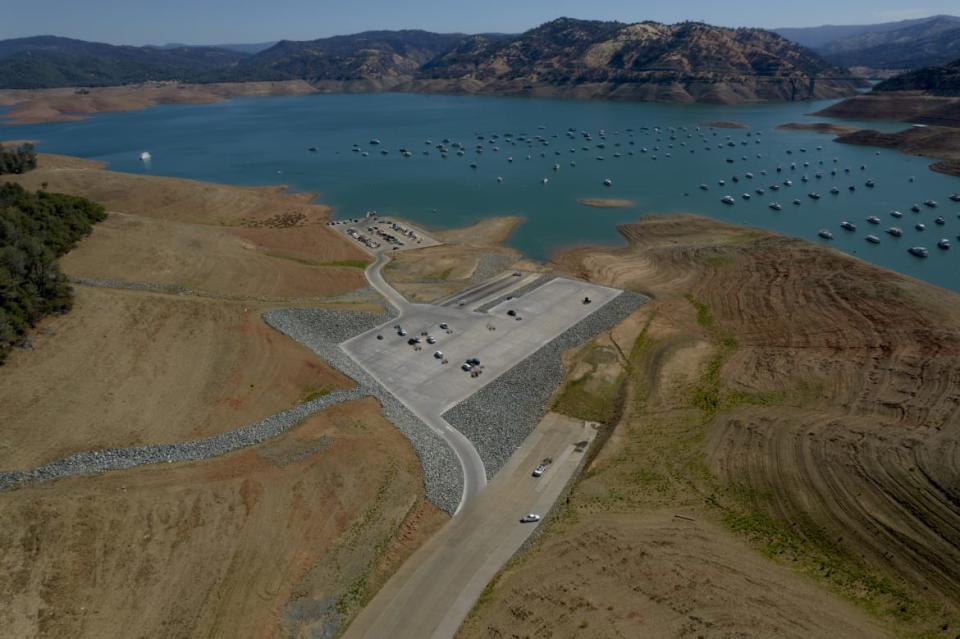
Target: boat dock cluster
[[797, 173], [820, 174]]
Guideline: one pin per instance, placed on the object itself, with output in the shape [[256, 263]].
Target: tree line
[[36, 228], [18, 159]]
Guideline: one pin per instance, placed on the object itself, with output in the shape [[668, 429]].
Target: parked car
[[539, 470], [530, 518]]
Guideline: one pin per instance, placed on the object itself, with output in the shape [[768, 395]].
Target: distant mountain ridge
[[50, 61], [250, 48], [908, 44], [685, 62]]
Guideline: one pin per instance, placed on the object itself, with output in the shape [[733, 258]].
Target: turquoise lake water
[[261, 141]]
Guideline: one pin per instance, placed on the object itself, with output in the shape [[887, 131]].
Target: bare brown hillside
[[777, 396]]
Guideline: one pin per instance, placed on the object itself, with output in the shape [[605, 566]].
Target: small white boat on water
[[873, 239], [728, 200], [776, 206], [145, 156], [918, 251], [943, 244], [895, 231], [825, 234]]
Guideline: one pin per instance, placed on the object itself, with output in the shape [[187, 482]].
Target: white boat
[[728, 200], [873, 219], [608, 182], [848, 226], [145, 156], [943, 244], [873, 239], [895, 231], [896, 213], [776, 206], [918, 251], [825, 234]]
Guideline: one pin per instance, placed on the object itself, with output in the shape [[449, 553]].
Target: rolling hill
[[49, 61], [939, 81], [686, 62]]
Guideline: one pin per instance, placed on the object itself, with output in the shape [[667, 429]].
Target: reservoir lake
[[652, 154]]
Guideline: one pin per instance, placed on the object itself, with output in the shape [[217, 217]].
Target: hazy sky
[[239, 21]]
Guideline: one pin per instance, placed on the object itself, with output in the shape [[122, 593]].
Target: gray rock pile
[[321, 331]]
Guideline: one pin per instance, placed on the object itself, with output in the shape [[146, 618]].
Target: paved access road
[[434, 590], [474, 472]]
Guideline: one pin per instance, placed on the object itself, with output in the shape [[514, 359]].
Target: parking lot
[[500, 339], [378, 234]]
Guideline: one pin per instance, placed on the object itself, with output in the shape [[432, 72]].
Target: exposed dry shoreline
[[763, 406], [942, 143], [606, 203], [63, 105], [770, 390], [726, 124], [908, 106], [818, 127]]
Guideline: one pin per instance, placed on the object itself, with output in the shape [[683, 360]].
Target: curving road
[[474, 472]]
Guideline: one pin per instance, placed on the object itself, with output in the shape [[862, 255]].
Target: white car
[[530, 518], [539, 470], [431, 339]]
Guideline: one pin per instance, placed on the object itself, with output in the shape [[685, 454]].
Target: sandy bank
[[726, 124], [818, 127], [606, 203], [62, 105], [932, 141], [909, 106]]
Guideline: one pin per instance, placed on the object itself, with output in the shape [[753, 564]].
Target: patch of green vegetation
[[346, 263], [704, 314], [309, 262], [354, 596], [808, 547], [35, 230], [315, 394], [18, 160], [440, 276], [717, 261], [593, 396]]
